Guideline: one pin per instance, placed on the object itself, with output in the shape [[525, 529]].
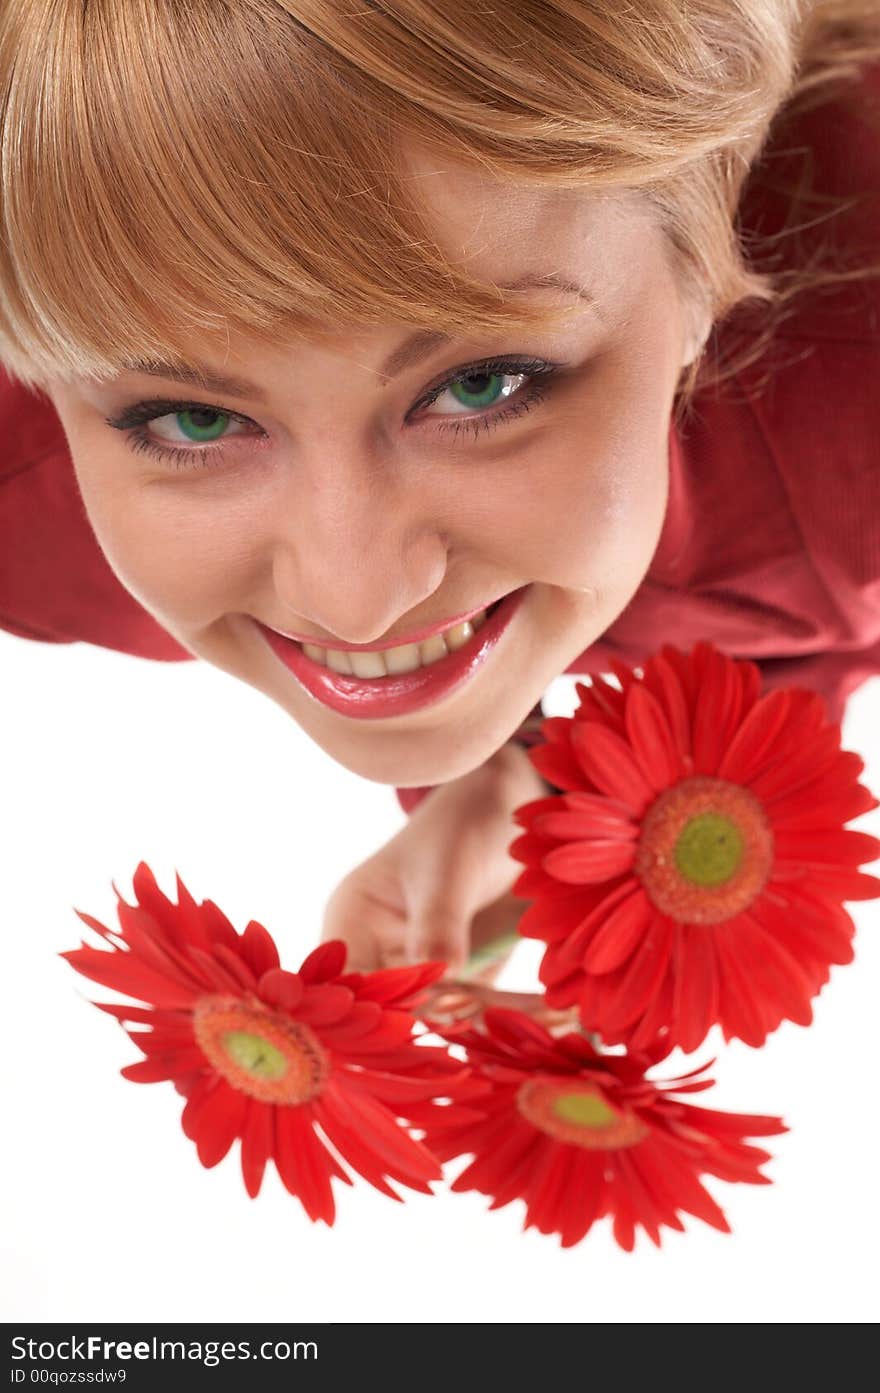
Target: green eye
[[483, 393], [202, 423], [525, 382]]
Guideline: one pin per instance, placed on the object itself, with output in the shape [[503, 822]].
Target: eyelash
[[530, 394]]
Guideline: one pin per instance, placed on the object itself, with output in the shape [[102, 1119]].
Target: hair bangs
[[173, 170], [253, 186]]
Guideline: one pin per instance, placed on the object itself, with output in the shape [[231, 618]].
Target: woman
[[552, 330]]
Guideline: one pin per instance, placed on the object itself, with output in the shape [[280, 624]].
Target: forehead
[[503, 228], [500, 229]]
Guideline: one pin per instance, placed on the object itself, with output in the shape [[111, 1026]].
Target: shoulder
[[29, 428], [55, 582], [809, 379], [789, 448], [810, 404]]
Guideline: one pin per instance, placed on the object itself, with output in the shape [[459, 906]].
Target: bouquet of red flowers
[[689, 871]]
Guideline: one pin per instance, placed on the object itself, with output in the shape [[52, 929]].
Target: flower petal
[[642, 978], [325, 1005], [400, 1153], [280, 988], [258, 949], [303, 1163], [651, 739], [585, 863], [696, 995], [568, 826], [324, 962], [755, 738], [557, 765], [662, 679], [607, 761], [257, 1136], [552, 917], [717, 709], [220, 1120], [620, 935]]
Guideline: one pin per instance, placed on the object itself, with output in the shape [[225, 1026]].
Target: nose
[[356, 556]]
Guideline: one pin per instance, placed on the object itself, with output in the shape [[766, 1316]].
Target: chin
[[408, 773], [413, 763]]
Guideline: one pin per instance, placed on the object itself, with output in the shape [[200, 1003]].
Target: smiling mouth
[[426, 680], [403, 658]]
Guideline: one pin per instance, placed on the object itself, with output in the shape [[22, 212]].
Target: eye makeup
[[536, 373]]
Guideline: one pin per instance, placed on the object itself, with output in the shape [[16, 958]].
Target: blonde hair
[[176, 166]]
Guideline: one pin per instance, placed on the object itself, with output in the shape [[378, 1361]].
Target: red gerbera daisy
[[692, 869], [579, 1135], [286, 1061]]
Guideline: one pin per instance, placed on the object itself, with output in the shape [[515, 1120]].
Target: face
[[345, 506]]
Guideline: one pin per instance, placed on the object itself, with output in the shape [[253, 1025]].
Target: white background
[[106, 1212]]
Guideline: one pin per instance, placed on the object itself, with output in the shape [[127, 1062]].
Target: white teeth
[[433, 649], [366, 664], [458, 635], [406, 657], [339, 662]]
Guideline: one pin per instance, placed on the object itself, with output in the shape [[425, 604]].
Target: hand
[[441, 887]]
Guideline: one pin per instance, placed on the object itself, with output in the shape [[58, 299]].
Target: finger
[[438, 931], [361, 954], [345, 917], [460, 1001], [530, 1002], [494, 938], [442, 892]]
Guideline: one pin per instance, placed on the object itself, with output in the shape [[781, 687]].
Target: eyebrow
[[414, 349]]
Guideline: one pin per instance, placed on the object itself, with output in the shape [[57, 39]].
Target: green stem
[[489, 953]]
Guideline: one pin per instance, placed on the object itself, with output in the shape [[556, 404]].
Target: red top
[[771, 542]]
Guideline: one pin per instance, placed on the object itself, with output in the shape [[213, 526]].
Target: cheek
[[183, 554], [592, 510]]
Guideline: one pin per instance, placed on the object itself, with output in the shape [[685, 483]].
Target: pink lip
[[398, 642], [374, 698]]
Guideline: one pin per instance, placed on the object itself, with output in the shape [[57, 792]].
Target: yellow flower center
[[709, 849], [255, 1054], [260, 1052], [578, 1113], [705, 850]]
